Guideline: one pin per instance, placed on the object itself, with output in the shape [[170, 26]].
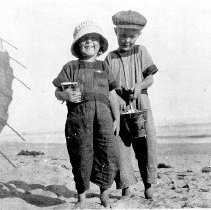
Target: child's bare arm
[[114, 104], [60, 95], [115, 110], [144, 84], [147, 82]]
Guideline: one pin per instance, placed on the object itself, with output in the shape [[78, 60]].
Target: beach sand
[[46, 181]]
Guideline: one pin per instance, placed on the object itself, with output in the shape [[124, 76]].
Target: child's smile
[[89, 45]]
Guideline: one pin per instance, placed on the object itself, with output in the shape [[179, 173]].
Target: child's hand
[[116, 127], [136, 89], [122, 104], [73, 96]]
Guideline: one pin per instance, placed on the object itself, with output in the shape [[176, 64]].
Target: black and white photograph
[[105, 104]]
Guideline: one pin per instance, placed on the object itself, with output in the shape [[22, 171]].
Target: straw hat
[[84, 28]]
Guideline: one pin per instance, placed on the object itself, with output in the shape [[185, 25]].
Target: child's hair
[[84, 28]]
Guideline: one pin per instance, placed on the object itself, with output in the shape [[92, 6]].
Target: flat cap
[[129, 19]]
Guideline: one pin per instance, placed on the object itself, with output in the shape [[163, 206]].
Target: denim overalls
[[89, 124]]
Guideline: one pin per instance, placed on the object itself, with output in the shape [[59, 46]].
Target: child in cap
[[133, 69], [90, 128]]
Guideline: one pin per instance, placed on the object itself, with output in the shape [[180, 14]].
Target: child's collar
[[134, 49]]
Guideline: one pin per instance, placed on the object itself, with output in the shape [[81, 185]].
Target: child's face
[[89, 45], [126, 38]]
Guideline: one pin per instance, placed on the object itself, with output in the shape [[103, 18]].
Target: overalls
[[89, 125]]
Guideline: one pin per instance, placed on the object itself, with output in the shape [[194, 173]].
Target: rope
[[8, 43], [22, 83], [7, 159], [3, 122]]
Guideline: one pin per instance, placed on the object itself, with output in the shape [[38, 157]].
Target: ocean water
[[196, 140], [48, 137], [196, 133], [187, 133]]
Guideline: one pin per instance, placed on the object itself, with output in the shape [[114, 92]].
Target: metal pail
[[134, 124]]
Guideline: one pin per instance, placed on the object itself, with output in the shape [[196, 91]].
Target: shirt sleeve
[[111, 80], [63, 76], [149, 67]]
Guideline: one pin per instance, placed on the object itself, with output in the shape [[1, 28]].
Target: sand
[[46, 181]]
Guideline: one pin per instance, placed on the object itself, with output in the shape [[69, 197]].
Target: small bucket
[[133, 125]]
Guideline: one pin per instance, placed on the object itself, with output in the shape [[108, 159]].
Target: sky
[[177, 36]]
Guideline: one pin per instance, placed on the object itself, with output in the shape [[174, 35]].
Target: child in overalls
[[90, 124], [133, 70]]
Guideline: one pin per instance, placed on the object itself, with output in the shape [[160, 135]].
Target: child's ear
[[115, 29]]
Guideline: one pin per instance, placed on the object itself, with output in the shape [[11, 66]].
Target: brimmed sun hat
[[84, 28]]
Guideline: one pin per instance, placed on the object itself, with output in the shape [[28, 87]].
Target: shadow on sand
[[23, 190]]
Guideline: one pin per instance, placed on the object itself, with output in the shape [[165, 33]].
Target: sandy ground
[[46, 181]]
